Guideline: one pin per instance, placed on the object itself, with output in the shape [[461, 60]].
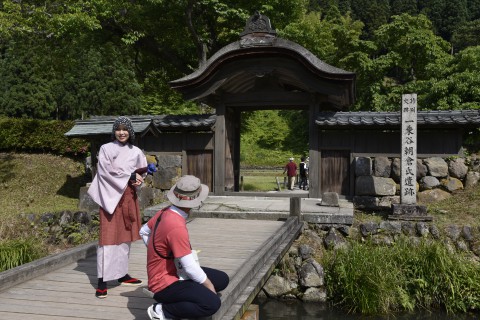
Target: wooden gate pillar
[[314, 153], [219, 154]]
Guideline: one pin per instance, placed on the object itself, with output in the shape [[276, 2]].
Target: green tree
[[373, 13], [434, 10], [408, 52], [398, 7], [159, 98], [466, 35], [407, 46], [473, 9], [152, 38], [26, 82], [455, 14], [98, 82], [56, 81], [314, 34], [458, 84]]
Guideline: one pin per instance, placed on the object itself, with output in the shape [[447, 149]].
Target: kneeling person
[[194, 295]]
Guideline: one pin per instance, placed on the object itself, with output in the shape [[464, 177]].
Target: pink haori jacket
[[116, 163]]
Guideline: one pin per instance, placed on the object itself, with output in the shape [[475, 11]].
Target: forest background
[[68, 60]]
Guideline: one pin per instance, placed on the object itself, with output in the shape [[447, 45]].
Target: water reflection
[[295, 310]]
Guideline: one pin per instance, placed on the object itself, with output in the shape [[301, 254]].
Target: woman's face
[[121, 134]]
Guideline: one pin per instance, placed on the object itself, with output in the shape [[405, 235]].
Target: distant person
[[303, 174], [291, 170], [182, 289], [114, 189]]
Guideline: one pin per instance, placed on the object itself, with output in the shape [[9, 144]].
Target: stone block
[[472, 179], [431, 196], [169, 160], [437, 167], [452, 184], [86, 203], [457, 168], [382, 167], [428, 183], [412, 212], [330, 199], [165, 178], [422, 169], [366, 202], [374, 186], [409, 209], [363, 166]]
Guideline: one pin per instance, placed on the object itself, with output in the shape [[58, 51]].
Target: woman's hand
[[138, 181]]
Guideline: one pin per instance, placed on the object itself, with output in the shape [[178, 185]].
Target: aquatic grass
[[438, 278], [362, 279], [372, 279]]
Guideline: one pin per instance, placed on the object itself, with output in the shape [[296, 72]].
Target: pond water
[[297, 310]]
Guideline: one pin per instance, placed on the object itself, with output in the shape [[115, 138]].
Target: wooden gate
[[335, 171], [200, 164]]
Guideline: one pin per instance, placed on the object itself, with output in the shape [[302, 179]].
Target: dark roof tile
[[99, 125], [443, 117]]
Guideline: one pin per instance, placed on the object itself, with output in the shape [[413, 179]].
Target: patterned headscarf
[[128, 124]]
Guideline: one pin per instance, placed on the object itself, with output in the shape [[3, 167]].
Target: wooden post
[[241, 183], [252, 313], [295, 207], [278, 184], [219, 151]]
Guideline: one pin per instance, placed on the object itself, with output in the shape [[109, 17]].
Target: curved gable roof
[[239, 66]]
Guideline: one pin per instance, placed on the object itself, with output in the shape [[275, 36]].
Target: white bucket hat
[[188, 192]]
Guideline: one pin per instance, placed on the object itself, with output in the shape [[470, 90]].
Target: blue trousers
[[188, 299]]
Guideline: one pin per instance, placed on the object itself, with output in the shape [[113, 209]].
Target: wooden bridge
[[246, 236], [62, 286]]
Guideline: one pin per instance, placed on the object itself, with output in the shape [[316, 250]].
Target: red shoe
[[129, 281], [101, 293]]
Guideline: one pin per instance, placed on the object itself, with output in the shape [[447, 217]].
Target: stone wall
[[299, 275], [377, 180]]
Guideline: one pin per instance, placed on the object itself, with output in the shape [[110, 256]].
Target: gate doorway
[[267, 138], [262, 71], [335, 171]]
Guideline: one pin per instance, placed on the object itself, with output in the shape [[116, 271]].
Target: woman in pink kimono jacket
[[114, 190]]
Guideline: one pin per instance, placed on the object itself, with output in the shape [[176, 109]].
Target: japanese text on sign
[[409, 149]]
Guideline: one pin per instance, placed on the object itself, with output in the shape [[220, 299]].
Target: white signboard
[[408, 181]]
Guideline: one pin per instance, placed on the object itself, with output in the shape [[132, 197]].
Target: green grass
[[34, 184], [14, 253], [372, 279], [261, 180], [37, 183], [463, 208]]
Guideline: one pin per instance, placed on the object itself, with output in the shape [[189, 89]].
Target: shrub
[[31, 135]]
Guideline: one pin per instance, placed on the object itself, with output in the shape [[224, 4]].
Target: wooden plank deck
[[68, 292]]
